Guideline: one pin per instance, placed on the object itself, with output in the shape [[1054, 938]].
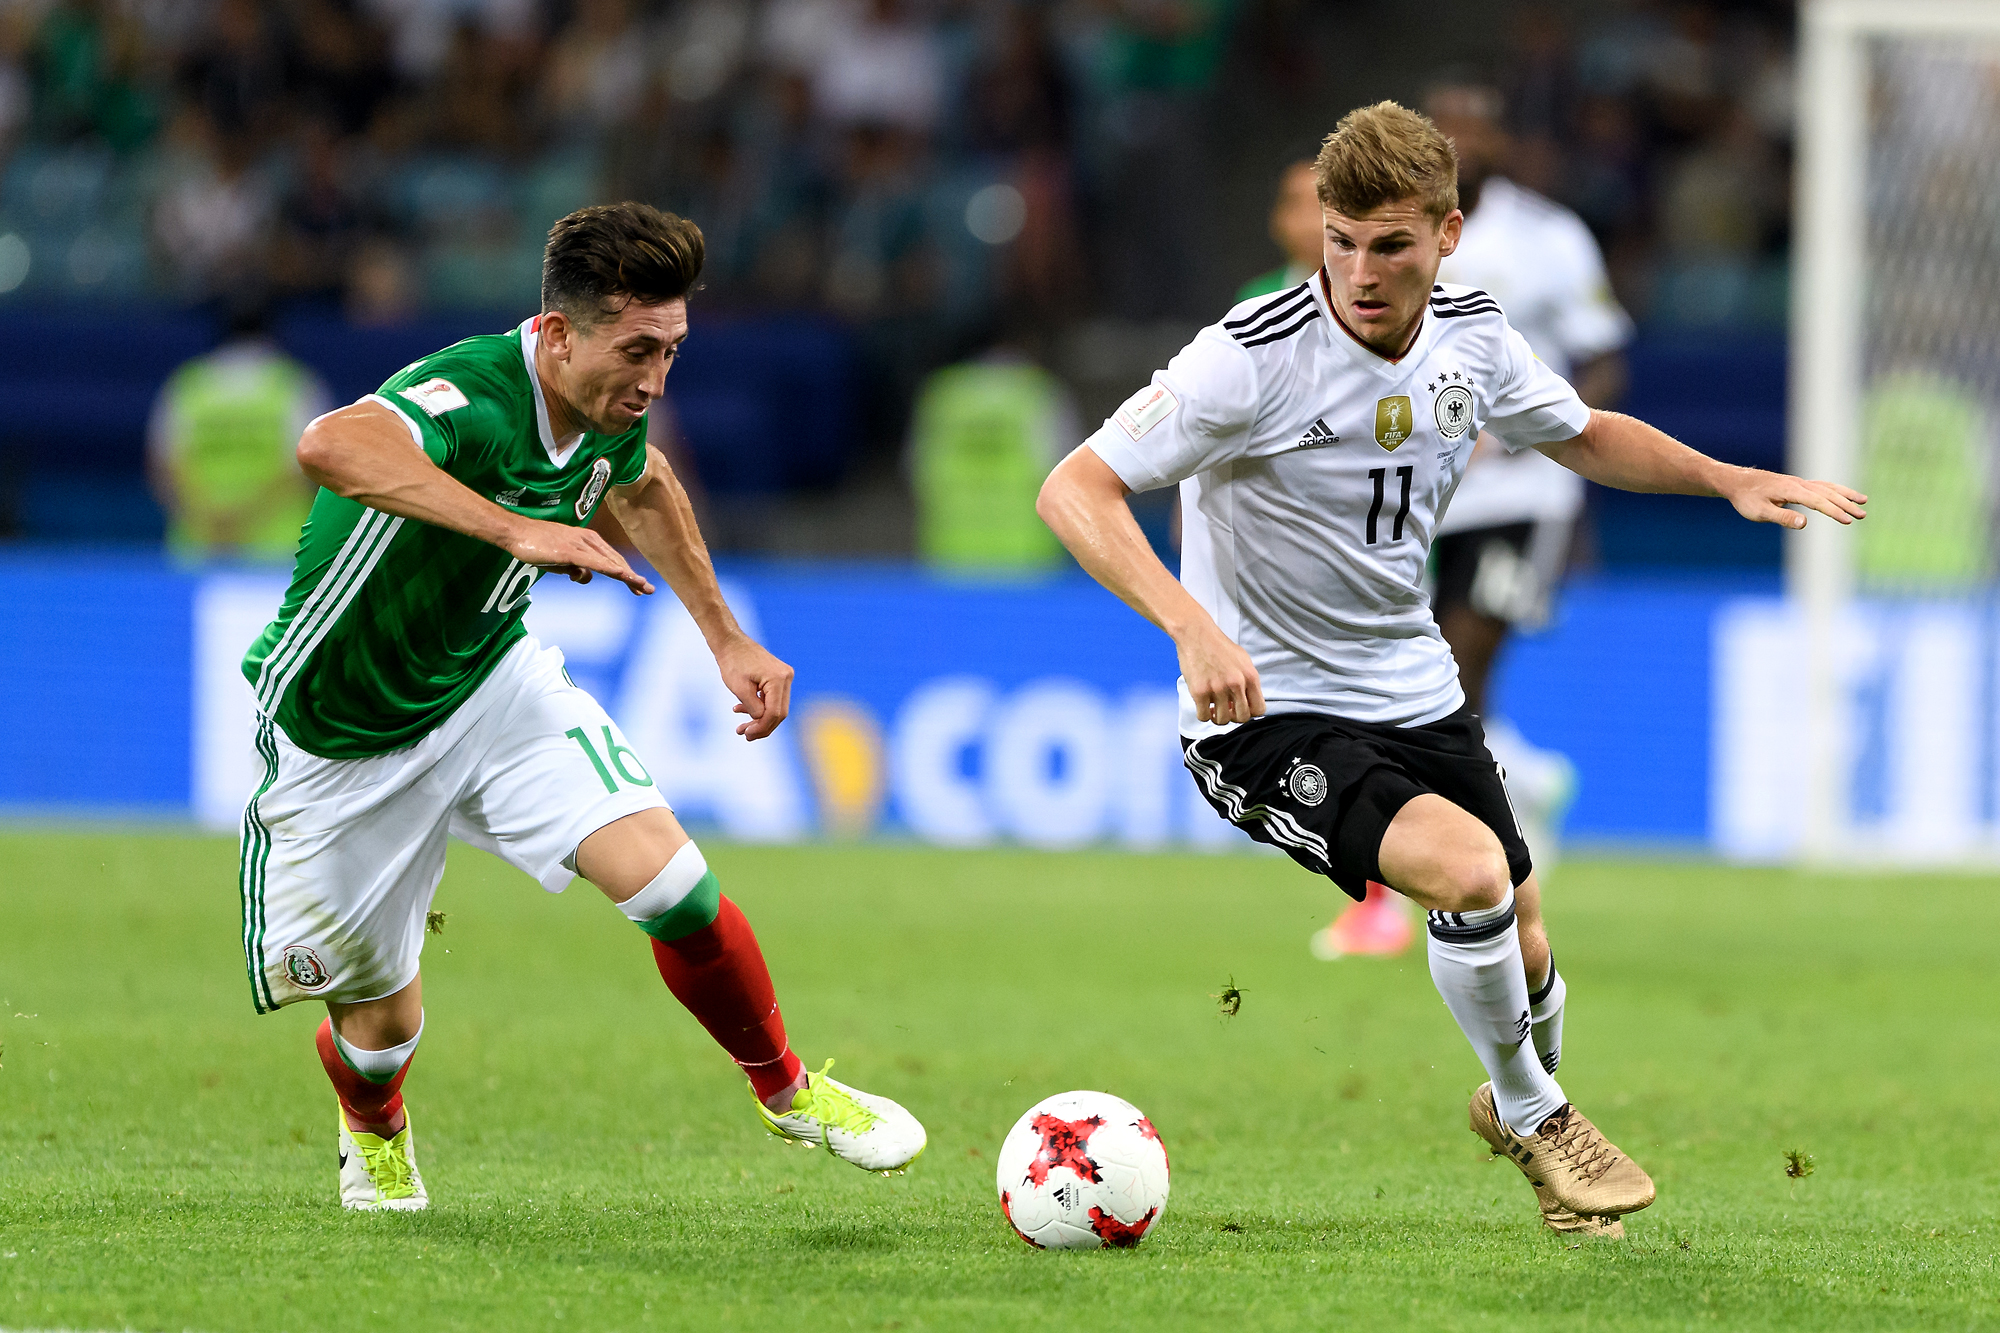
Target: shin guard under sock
[[1476, 965], [718, 972]]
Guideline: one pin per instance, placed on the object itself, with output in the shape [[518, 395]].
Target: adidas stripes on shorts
[[340, 857], [1325, 789]]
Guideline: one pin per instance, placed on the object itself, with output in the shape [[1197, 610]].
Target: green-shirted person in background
[[221, 447], [1295, 226], [984, 434]]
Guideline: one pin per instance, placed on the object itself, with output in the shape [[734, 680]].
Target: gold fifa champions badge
[[1392, 421]]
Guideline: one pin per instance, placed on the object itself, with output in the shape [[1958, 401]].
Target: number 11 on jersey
[[1378, 475]]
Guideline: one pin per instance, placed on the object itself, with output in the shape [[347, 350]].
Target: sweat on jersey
[[1313, 473], [1540, 262], [390, 623]]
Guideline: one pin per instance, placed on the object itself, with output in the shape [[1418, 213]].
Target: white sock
[[1545, 1011], [1476, 965], [674, 882], [379, 1066]]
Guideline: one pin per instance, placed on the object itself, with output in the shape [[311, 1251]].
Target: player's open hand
[[761, 683], [1773, 497], [1220, 677], [577, 552]]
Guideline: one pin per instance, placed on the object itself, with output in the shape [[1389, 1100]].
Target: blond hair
[[1380, 154]]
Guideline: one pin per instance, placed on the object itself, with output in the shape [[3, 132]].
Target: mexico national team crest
[[305, 969], [1453, 410], [1306, 783], [1392, 421], [600, 477]]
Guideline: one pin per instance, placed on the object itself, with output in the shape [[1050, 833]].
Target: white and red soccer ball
[[1082, 1170]]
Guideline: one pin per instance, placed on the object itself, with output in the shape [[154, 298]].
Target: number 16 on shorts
[[612, 761]]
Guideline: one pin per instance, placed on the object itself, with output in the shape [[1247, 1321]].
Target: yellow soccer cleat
[[379, 1174], [871, 1132]]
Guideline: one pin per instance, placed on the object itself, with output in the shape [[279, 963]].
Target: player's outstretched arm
[[656, 515], [364, 453], [1083, 502], [1625, 452]]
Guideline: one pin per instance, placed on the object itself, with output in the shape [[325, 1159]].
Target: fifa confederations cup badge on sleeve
[[305, 969], [1306, 783]]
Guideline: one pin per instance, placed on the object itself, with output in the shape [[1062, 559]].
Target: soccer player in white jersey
[[401, 698], [1317, 437], [1501, 548]]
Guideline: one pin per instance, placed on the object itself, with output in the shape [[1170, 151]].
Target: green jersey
[[390, 623]]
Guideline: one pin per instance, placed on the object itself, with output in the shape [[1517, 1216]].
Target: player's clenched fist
[[576, 552], [1220, 678]]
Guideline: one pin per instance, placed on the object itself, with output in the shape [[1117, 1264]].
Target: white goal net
[[1885, 710]]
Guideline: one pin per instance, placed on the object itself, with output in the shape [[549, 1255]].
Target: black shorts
[[1508, 572], [1324, 789]]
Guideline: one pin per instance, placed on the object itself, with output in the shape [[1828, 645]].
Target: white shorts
[[341, 856]]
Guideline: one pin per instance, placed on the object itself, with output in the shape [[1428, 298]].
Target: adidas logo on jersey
[[1319, 437]]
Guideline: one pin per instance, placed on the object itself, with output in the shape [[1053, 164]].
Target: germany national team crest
[[1392, 421], [305, 969], [1306, 783], [1453, 410], [600, 477]]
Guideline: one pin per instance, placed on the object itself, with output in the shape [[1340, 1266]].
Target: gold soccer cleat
[[1571, 1165]]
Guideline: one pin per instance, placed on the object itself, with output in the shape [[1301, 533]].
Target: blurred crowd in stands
[[915, 165], [889, 188]]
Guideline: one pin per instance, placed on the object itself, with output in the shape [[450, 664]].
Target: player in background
[[1501, 550], [1295, 230], [402, 700], [1317, 437], [1501, 547]]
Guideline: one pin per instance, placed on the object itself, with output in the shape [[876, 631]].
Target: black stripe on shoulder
[[1290, 312], [1454, 312], [1284, 301], [1312, 313], [1474, 295]]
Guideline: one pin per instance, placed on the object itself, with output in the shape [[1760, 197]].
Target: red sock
[[368, 1102], [718, 972]]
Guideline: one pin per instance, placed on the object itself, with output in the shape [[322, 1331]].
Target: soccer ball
[[1082, 1170]]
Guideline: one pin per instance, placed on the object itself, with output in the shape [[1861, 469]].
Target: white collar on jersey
[[530, 338]]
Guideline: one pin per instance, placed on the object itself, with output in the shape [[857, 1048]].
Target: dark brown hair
[[602, 258], [1386, 152]]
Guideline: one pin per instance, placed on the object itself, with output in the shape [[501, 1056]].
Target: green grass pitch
[[167, 1157]]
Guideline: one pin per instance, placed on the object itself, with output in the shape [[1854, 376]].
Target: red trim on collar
[[1326, 289]]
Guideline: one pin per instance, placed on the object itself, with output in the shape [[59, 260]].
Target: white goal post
[[1854, 217]]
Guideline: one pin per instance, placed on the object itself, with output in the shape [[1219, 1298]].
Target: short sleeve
[[1589, 321], [1196, 414], [434, 409], [1534, 405]]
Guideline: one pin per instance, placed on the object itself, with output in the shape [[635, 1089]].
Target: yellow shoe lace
[[387, 1164], [831, 1105]]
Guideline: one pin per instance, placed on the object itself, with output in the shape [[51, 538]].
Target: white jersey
[[1313, 472], [1539, 261]]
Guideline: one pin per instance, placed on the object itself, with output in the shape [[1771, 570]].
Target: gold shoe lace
[[1576, 1142]]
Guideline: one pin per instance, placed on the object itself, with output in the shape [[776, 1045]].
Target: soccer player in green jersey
[[402, 700]]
